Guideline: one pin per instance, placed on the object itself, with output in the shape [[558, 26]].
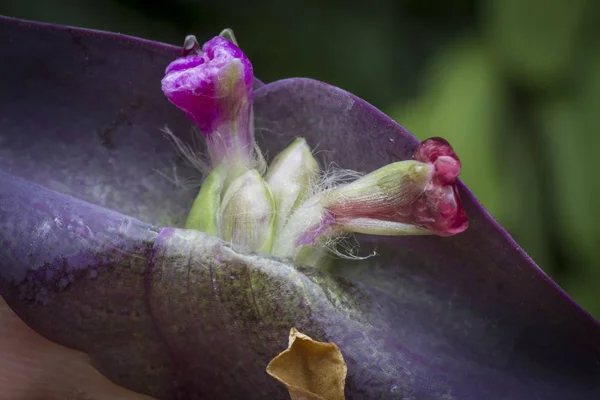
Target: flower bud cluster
[[284, 210]]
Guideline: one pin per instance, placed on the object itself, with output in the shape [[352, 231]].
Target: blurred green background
[[514, 85]]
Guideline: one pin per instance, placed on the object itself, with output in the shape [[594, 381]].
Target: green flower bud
[[248, 213], [405, 198], [307, 222], [291, 178], [204, 215], [370, 204], [389, 190], [381, 203], [382, 193]]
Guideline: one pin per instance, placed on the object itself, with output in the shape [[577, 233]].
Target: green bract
[[248, 213], [205, 210], [292, 177]]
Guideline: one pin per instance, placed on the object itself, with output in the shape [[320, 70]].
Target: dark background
[[514, 85]]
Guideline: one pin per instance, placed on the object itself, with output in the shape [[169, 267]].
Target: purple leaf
[[81, 112], [179, 314], [75, 272]]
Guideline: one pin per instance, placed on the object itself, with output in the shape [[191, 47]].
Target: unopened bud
[[440, 208], [291, 178], [383, 194], [213, 86], [309, 221], [204, 215], [412, 197], [248, 213], [365, 205]]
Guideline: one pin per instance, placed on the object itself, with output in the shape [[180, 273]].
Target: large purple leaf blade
[[76, 273], [464, 304], [84, 276], [466, 317], [80, 115], [84, 283]]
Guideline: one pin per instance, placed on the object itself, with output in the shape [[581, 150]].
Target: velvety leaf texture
[[93, 255]]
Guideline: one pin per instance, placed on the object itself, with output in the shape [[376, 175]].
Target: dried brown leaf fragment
[[310, 370]]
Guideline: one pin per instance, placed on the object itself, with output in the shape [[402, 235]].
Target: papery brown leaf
[[310, 370], [34, 368]]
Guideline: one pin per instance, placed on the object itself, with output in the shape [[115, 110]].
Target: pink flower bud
[[439, 208], [404, 198], [213, 86]]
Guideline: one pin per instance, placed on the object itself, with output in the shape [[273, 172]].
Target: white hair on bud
[[260, 161], [341, 244], [333, 176], [190, 154], [345, 246], [179, 182]]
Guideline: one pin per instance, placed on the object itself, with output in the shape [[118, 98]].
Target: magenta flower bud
[[440, 209], [411, 197], [418, 196], [213, 86]]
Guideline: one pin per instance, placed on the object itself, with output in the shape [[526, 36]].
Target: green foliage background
[[514, 85]]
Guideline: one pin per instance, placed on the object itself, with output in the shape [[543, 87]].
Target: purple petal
[[467, 317], [212, 88]]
